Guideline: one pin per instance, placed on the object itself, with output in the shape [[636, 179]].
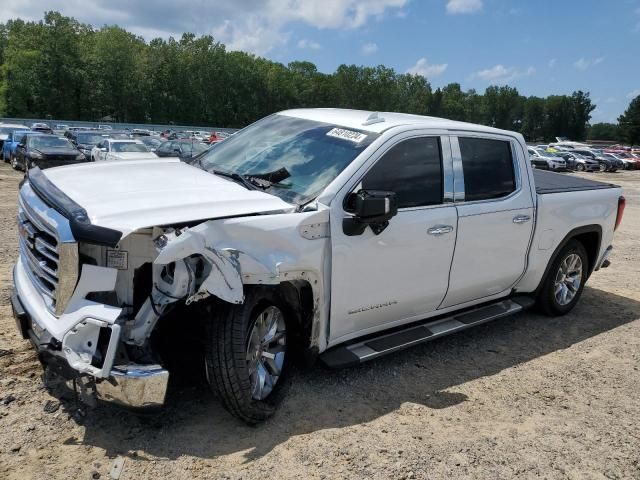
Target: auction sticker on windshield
[[350, 135]]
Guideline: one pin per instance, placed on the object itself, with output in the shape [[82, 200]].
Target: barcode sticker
[[350, 135]]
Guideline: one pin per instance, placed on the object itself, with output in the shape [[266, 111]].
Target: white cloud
[[502, 74], [369, 48], [584, 64], [310, 44], [633, 94], [256, 26], [455, 7], [553, 62], [423, 68]]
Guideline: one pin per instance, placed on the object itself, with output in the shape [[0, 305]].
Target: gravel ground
[[526, 396]]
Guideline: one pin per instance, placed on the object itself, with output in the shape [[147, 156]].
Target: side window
[[488, 168], [412, 169], [23, 140], [164, 148]]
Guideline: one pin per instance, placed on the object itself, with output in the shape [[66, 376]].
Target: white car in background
[[113, 149]]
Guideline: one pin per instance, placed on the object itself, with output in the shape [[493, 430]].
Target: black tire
[[226, 356], [546, 300], [580, 167], [14, 162]]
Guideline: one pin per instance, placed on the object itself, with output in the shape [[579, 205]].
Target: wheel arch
[[590, 236]]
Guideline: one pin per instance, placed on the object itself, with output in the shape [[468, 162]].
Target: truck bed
[[551, 182]]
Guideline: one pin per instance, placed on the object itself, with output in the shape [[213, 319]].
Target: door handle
[[440, 230], [521, 219]]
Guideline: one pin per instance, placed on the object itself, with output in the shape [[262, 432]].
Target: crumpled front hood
[[131, 194]]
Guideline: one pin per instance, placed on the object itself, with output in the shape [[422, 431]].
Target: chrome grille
[[49, 255]]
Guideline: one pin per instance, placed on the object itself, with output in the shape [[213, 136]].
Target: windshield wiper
[[236, 177], [268, 179]]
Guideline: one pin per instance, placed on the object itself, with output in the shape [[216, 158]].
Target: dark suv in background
[[45, 151]]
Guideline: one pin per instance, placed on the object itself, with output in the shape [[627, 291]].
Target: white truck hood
[[129, 195]]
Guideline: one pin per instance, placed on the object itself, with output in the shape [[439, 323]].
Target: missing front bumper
[[131, 386]]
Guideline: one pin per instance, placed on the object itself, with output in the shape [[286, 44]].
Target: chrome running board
[[377, 346]]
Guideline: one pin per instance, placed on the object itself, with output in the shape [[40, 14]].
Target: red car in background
[[217, 137]]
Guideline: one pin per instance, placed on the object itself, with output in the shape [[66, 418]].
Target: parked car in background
[[546, 161], [617, 164], [105, 127], [578, 162], [116, 149], [41, 127], [183, 149], [152, 143], [216, 137], [7, 128], [10, 144], [606, 165], [631, 161], [621, 163], [44, 151], [85, 141]]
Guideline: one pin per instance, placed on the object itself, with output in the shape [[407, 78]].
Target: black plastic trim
[[81, 227]]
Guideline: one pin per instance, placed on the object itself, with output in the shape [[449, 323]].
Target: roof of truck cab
[[357, 118]]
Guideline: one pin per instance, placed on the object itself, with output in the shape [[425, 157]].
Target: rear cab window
[[488, 168]]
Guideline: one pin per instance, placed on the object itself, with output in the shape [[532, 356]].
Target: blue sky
[[542, 47]]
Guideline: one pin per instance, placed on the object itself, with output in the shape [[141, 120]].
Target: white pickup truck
[[334, 233]]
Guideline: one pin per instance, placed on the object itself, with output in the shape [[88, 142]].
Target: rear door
[[495, 218], [400, 274]]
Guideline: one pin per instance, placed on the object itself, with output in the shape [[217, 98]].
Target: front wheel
[[14, 162], [580, 167], [246, 357], [603, 167], [565, 280]]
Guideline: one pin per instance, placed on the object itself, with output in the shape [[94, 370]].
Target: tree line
[[64, 69]]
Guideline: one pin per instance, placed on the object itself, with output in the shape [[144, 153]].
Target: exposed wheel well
[[298, 297]]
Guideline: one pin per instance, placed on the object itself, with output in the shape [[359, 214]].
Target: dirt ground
[[526, 397]]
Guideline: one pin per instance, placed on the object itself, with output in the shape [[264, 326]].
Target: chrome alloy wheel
[[568, 279], [266, 349]]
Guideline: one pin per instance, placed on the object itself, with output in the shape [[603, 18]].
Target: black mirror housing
[[370, 207]]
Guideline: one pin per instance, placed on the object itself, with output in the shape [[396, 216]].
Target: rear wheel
[[603, 167], [247, 358], [565, 280]]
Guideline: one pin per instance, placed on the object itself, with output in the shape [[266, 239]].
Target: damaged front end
[[99, 336]]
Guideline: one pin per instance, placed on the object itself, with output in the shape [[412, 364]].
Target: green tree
[[604, 131], [630, 122]]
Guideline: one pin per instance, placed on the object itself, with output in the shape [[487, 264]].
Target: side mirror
[[370, 207]]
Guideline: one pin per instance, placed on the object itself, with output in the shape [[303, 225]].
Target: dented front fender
[[224, 281]]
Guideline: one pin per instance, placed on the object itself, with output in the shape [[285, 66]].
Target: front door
[[385, 279]]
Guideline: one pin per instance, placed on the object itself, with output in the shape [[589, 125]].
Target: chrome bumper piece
[[135, 386]]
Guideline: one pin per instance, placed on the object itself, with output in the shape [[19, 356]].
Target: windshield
[[89, 138], [313, 153], [49, 142], [128, 147]]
